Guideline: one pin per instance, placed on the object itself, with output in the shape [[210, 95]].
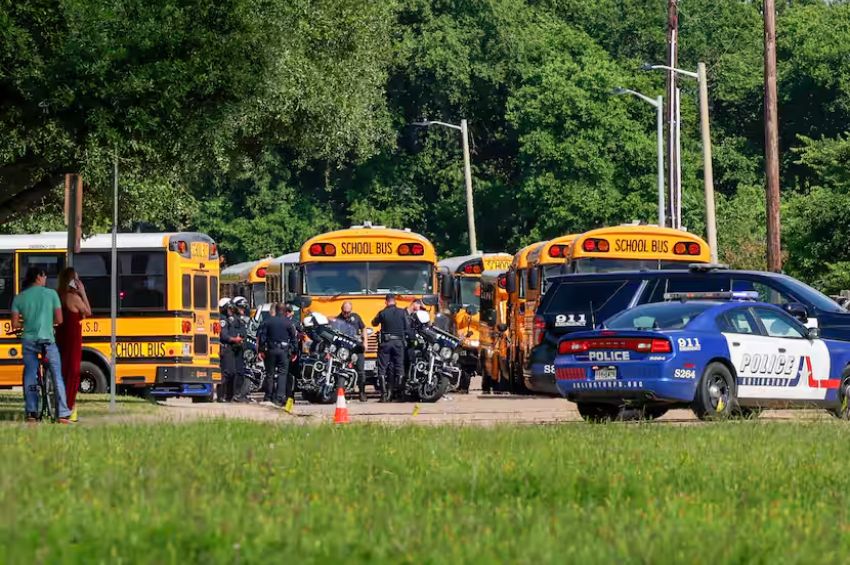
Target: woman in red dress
[[69, 334]]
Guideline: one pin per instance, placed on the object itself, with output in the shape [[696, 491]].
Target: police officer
[[295, 354], [351, 324], [395, 329], [276, 338], [410, 352], [232, 337]]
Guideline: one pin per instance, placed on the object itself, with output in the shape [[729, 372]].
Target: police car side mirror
[[813, 333], [798, 310]]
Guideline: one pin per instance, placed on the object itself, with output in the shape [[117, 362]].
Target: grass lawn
[[227, 492], [91, 407]]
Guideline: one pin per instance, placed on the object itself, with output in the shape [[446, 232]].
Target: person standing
[[276, 337], [69, 334], [351, 324], [35, 311], [395, 329], [294, 355], [233, 332]]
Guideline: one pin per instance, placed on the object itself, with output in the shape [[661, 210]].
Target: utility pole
[[467, 173], [708, 168], [673, 160], [771, 140]]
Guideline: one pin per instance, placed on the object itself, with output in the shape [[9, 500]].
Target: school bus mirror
[[472, 310], [292, 280], [430, 300], [510, 282], [446, 285], [533, 279], [300, 301], [502, 327]]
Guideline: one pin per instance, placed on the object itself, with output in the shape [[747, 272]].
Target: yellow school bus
[[363, 264], [618, 248], [460, 285], [277, 277], [167, 327], [493, 360], [517, 277], [246, 279], [635, 247]]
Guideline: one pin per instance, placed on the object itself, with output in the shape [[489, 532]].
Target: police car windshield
[[659, 316], [331, 279]]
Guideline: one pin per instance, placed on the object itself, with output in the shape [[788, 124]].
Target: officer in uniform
[[351, 324], [276, 338], [395, 329], [295, 354], [232, 337], [410, 352]]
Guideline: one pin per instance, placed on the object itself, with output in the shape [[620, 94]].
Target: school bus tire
[[92, 378]]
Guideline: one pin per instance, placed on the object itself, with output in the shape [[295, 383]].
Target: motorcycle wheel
[[326, 395], [433, 393]]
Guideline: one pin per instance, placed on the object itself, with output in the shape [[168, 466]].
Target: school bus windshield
[[368, 277], [597, 265]]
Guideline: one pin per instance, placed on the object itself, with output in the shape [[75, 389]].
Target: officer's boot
[[362, 394]]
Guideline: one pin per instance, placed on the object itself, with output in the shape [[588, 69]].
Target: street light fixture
[[708, 176], [467, 173], [658, 103]]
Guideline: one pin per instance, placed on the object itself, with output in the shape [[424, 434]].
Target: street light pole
[[708, 172], [708, 169], [658, 103], [467, 174]]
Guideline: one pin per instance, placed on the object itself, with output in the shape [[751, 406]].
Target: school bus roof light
[[322, 250], [411, 249], [686, 248], [558, 251], [261, 272], [213, 251], [503, 281], [180, 247], [596, 245]]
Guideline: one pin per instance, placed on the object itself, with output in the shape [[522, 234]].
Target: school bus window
[[7, 281], [597, 265], [186, 285], [141, 279], [258, 294], [93, 270], [53, 263], [328, 279], [200, 291], [213, 292], [405, 278], [470, 291]]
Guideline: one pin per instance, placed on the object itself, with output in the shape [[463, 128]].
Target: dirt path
[[472, 409]]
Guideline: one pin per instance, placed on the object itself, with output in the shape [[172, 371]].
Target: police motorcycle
[[433, 368], [255, 368], [329, 363]]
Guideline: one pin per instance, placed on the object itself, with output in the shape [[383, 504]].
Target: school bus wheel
[[92, 378]]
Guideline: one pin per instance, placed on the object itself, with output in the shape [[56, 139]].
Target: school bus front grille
[[372, 343]]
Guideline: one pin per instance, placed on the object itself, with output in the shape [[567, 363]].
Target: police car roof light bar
[[705, 267]]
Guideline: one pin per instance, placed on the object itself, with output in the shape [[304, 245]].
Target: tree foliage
[[263, 122]]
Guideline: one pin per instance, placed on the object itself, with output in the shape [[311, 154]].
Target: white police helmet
[[423, 317], [315, 319]]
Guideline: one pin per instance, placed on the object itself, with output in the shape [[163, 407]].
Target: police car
[[720, 353]]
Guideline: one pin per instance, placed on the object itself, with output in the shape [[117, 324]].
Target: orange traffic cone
[[341, 412]]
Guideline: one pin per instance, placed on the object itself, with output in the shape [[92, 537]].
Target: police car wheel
[[843, 410], [715, 395], [596, 412]]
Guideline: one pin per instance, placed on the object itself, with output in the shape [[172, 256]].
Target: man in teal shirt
[[36, 310]]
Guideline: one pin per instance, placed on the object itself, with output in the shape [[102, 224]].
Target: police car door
[[807, 366], [747, 348]]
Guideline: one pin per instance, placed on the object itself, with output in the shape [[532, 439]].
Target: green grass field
[[91, 407], [228, 492]]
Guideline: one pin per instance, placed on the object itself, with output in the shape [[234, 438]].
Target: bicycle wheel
[[50, 400]]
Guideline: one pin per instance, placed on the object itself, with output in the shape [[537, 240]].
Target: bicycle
[[48, 400]]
